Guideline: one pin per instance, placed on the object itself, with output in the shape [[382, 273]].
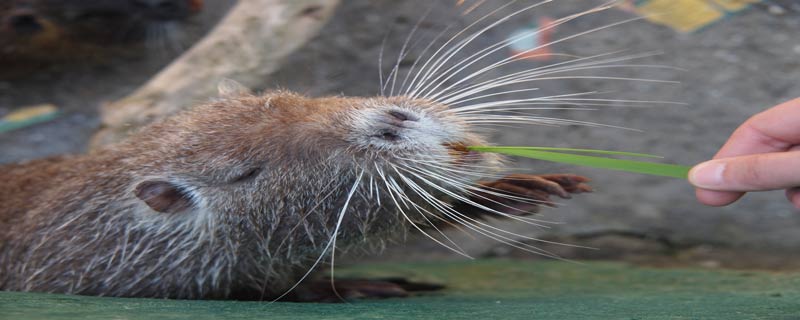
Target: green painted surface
[[483, 289]]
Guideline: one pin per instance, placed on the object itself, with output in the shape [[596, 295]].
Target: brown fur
[[233, 199]]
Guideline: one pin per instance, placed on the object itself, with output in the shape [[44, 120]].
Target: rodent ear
[[228, 88], [163, 196]]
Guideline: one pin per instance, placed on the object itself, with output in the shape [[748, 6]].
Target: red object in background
[[627, 6], [537, 46], [196, 5]]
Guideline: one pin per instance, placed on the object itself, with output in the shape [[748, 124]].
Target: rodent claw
[[535, 188]]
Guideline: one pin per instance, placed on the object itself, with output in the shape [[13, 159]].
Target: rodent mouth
[[461, 154]]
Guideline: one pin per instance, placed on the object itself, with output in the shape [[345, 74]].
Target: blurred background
[[727, 61]]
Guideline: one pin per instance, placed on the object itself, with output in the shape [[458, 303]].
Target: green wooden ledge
[[481, 289]]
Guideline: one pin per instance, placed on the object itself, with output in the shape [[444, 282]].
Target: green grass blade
[[568, 150], [658, 169]]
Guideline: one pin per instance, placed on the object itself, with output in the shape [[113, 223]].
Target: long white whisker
[[332, 242], [442, 206], [430, 199], [426, 181], [480, 227], [511, 119], [471, 190], [380, 65], [576, 104], [291, 231], [460, 109], [460, 171], [478, 56], [403, 52], [512, 58], [552, 66], [530, 76], [442, 61], [336, 232], [421, 209], [466, 200], [403, 87], [492, 95], [383, 176]]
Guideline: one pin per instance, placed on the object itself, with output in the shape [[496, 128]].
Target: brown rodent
[[238, 198], [56, 29]]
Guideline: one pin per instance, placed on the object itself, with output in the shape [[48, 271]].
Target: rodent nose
[[25, 23], [388, 135], [400, 116], [397, 117], [396, 120]]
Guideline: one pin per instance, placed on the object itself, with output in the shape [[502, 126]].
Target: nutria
[[240, 197]]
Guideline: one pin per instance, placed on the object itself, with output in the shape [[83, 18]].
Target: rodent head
[[281, 157]]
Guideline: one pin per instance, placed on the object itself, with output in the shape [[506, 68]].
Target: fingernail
[[707, 175]]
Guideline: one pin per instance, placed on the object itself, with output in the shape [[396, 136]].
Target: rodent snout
[[410, 128]]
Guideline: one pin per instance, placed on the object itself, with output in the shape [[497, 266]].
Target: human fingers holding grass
[[762, 154]]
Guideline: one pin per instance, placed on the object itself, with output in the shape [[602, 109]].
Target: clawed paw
[[349, 289], [521, 194]]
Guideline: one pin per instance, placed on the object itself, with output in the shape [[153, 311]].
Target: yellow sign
[[688, 15]]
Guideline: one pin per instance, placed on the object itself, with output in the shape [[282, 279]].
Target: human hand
[[762, 154]]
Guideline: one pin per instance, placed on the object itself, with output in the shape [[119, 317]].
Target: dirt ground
[[729, 71]]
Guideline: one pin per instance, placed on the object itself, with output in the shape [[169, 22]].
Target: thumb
[[758, 172]]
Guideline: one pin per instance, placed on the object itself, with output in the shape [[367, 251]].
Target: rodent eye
[[247, 175]]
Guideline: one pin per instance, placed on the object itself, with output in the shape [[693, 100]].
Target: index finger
[[773, 130]]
